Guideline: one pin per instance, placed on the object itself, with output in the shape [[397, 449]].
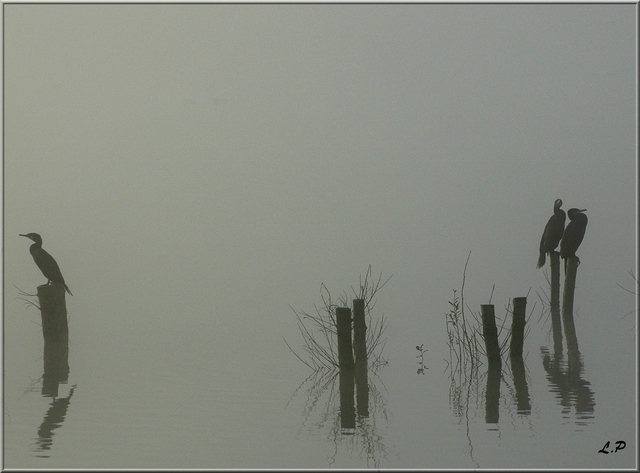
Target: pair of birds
[[45, 261], [569, 238]]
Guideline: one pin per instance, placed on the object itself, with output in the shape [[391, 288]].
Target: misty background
[[208, 166]]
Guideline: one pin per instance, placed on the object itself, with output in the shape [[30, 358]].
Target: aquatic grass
[[463, 337], [631, 291], [27, 302], [420, 356], [464, 333], [318, 329]]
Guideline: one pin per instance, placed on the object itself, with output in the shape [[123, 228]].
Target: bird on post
[[552, 232], [45, 261], [573, 234]]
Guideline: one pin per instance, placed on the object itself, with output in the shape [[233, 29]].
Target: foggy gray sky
[[257, 150]]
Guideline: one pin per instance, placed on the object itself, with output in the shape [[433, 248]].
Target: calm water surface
[[217, 387]]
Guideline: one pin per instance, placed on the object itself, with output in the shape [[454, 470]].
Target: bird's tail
[[541, 260], [65, 286]]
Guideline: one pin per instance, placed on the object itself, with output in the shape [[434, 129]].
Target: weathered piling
[[360, 352], [556, 323], [53, 310], [359, 333], [571, 269], [345, 350], [55, 331], [517, 327], [515, 354], [56, 367], [346, 364], [490, 335]]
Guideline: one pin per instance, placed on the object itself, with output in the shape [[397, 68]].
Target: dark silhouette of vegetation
[[464, 333], [420, 356], [318, 330], [630, 291], [350, 417]]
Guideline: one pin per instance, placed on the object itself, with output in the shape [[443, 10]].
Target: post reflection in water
[[566, 378], [347, 405], [466, 374], [340, 347], [571, 390], [466, 389], [466, 354], [53, 311], [523, 402], [344, 423], [53, 420], [492, 406]]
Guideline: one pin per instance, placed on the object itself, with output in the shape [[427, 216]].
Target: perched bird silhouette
[[45, 261], [552, 232], [573, 234]]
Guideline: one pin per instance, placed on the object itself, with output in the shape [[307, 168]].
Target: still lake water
[[218, 388]]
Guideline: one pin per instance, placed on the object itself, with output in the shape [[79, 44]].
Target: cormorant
[[45, 261], [552, 232], [573, 234]]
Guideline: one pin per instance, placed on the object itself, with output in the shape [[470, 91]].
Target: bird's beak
[[583, 210], [24, 235]]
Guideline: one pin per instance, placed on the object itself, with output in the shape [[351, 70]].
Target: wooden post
[[53, 310], [359, 332], [555, 303], [490, 335], [56, 367], [55, 331], [567, 303], [360, 351], [516, 348], [345, 350], [517, 326], [345, 360]]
